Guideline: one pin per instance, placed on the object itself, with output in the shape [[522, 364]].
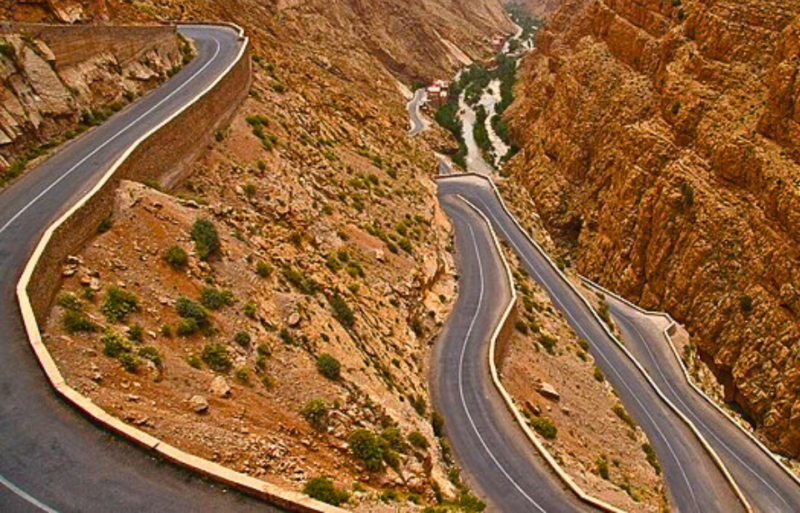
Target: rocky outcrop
[[660, 143], [58, 81]]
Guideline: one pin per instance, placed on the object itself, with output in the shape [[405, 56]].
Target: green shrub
[[187, 327], [354, 269], [176, 257], [652, 457], [437, 423], [419, 404], [623, 415], [548, 342], [250, 310], [315, 412], [69, 301], [323, 489], [242, 338], [367, 448], [152, 354], [119, 303], [165, 331], [333, 263], [194, 361], [342, 311], [188, 309], [214, 299], [329, 366], [105, 224], [114, 344], [205, 237], [77, 322], [130, 362], [135, 333], [216, 357], [242, 375], [545, 427], [394, 439], [299, 280], [263, 269], [469, 503], [418, 440], [598, 375], [602, 467], [521, 326]]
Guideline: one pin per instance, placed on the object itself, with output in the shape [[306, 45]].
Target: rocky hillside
[[277, 312], [52, 92], [538, 8], [661, 142]]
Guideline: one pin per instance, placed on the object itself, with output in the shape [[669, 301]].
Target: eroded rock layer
[[661, 142]]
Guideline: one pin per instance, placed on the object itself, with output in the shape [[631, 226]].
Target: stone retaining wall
[[167, 156], [73, 44]]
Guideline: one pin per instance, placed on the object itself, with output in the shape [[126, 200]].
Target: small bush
[[598, 375], [623, 415], [188, 309], [263, 269], [242, 375], [548, 342], [77, 322], [216, 357], [119, 303], [437, 423], [135, 333], [367, 448], [114, 344], [105, 224], [323, 489], [205, 237], [329, 366], [130, 362], [652, 457], [419, 404], [214, 299], [545, 427], [152, 354], [194, 361], [342, 311], [242, 338], [418, 440], [187, 327], [250, 310], [602, 467], [69, 301], [176, 257], [300, 281], [315, 412]]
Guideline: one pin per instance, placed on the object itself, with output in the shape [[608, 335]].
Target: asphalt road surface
[[50, 455], [418, 124], [695, 483], [501, 463], [766, 485]]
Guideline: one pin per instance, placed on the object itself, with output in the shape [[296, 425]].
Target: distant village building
[[437, 94], [498, 42]]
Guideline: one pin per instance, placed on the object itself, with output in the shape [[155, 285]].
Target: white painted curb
[[572, 485], [688, 376], [710, 450], [262, 489]]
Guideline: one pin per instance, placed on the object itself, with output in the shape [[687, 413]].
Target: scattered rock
[[549, 391], [199, 404], [220, 388]]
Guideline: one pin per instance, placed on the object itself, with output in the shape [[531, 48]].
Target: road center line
[[461, 376]]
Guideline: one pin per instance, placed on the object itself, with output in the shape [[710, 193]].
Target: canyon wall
[[661, 143]]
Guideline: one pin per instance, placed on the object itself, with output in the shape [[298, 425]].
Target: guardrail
[[710, 450], [687, 375], [287, 499], [509, 401]]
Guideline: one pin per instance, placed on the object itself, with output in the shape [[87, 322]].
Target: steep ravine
[[660, 145]]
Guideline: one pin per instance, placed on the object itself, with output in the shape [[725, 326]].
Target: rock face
[[661, 142], [57, 82]]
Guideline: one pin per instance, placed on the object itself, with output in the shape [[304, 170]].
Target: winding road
[[498, 458], [51, 457], [418, 124], [764, 482], [695, 483]]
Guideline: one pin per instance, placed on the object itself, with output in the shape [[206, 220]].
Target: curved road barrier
[[696, 483], [503, 326], [769, 485], [90, 171]]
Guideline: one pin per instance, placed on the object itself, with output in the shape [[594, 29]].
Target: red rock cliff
[[661, 142]]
